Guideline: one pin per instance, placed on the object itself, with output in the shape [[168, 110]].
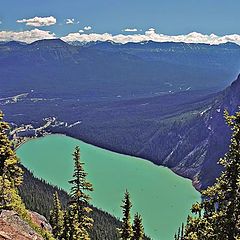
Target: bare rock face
[[12, 227], [206, 140], [41, 221]]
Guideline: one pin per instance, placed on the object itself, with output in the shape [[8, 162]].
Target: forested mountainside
[[38, 196], [107, 71], [152, 100], [70, 216], [205, 140], [182, 131], [188, 136], [217, 215]]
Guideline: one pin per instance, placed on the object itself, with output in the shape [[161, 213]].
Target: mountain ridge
[[216, 142], [148, 42], [114, 70], [151, 104]]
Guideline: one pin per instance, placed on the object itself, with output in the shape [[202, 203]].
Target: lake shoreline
[[124, 154], [111, 174]]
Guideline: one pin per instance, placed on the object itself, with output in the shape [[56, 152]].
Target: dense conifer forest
[[72, 217], [20, 191], [217, 217], [38, 196]]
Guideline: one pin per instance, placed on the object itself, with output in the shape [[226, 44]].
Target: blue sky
[[169, 17]]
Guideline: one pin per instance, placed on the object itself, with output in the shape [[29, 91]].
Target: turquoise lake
[[162, 198]]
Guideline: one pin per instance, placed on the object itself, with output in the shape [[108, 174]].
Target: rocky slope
[[38, 197], [198, 150], [12, 227]]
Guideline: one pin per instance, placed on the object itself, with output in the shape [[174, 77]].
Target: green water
[[159, 195]]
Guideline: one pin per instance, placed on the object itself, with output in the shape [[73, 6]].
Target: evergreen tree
[[71, 229], [218, 216], [182, 232], [126, 230], [66, 228], [79, 197], [56, 217], [138, 230], [179, 234], [11, 175], [225, 194], [175, 236]]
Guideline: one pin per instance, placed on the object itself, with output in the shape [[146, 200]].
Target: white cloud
[[87, 28], [130, 30], [151, 35], [0, 22], [70, 21], [151, 30], [39, 21], [87, 37], [26, 36]]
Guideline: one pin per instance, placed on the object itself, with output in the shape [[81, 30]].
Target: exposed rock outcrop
[[12, 227], [213, 136]]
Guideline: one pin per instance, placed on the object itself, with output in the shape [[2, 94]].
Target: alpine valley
[[163, 102], [119, 120]]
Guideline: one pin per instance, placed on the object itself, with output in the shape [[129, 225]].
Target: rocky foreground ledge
[[12, 227]]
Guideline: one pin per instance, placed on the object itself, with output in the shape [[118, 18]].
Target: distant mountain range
[[160, 101], [107, 70]]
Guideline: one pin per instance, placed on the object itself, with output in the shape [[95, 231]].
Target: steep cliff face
[[191, 143], [198, 151], [13, 227], [219, 135]]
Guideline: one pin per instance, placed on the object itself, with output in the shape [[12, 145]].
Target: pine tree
[[126, 230], [66, 228], [11, 177], [218, 216], [175, 237], [225, 194], [79, 197], [72, 228], [138, 230], [182, 232], [11, 174], [56, 217]]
